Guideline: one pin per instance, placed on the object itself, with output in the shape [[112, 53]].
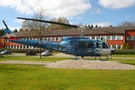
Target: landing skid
[[107, 58], [76, 58], [101, 58]]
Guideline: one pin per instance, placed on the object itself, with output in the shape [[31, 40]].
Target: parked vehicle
[[1, 54], [30, 53], [6, 52], [46, 53]]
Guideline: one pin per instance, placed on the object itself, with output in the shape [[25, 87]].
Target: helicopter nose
[[112, 50]]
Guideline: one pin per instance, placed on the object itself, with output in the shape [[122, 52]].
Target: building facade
[[115, 36]]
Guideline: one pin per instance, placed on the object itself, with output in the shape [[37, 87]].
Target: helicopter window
[[89, 45], [104, 45], [81, 44], [97, 45], [86, 44]]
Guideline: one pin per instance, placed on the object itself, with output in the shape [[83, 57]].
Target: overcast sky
[[99, 12]]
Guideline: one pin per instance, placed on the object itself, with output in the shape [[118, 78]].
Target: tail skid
[[9, 33]]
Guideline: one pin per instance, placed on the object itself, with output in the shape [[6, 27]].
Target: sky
[[94, 12]]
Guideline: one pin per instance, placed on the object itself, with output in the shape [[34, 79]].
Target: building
[[115, 36]]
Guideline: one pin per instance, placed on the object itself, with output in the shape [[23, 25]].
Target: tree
[[96, 26], [15, 30], [126, 24], [61, 20], [127, 46], [2, 32], [91, 26], [124, 45], [21, 30], [34, 26]]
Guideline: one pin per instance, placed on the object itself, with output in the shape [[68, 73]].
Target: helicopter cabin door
[[105, 49]]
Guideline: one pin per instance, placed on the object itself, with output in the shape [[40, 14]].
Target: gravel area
[[90, 64]]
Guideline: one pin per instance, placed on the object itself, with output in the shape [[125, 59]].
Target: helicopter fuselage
[[78, 46]]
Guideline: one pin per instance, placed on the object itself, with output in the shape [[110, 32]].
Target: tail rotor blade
[[5, 24]]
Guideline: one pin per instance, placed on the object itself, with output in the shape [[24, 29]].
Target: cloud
[[13, 28], [95, 11], [116, 4], [102, 24], [53, 8]]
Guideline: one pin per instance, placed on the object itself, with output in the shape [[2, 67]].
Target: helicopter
[[73, 45]]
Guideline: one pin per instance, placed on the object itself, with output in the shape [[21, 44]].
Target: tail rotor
[[8, 32]]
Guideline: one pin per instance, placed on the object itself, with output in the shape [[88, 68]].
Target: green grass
[[30, 77], [32, 58], [25, 77]]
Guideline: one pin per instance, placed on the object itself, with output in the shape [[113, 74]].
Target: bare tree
[[36, 27], [126, 24], [58, 27]]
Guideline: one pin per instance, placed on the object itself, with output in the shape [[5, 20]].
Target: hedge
[[125, 51]]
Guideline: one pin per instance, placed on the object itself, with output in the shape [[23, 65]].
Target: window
[[108, 38], [113, 37], [103, 37], [56, 38], [97, 45], [118, 46], [119, 37], [133, 37], [49, 39], [114, 46], [52, 38], [81, 44], [97, 37], [92, 37], [89, 44], [129, 38]]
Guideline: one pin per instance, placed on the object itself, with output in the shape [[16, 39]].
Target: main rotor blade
[[45, 21]]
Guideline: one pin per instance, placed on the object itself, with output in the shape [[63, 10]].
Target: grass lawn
[[25, 77], [30, 77]]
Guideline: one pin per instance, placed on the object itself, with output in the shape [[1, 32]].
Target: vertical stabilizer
[[8, 32]]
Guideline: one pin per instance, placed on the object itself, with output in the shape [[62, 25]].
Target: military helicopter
[[74, 45]]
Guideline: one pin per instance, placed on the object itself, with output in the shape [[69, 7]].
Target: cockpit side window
[[104, 45]]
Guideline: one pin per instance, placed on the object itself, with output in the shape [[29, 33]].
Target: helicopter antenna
[[82, 28]]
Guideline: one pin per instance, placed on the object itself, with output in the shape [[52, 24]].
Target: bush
[[125, 51]]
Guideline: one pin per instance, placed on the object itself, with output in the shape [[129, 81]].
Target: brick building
[[115, 36]]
